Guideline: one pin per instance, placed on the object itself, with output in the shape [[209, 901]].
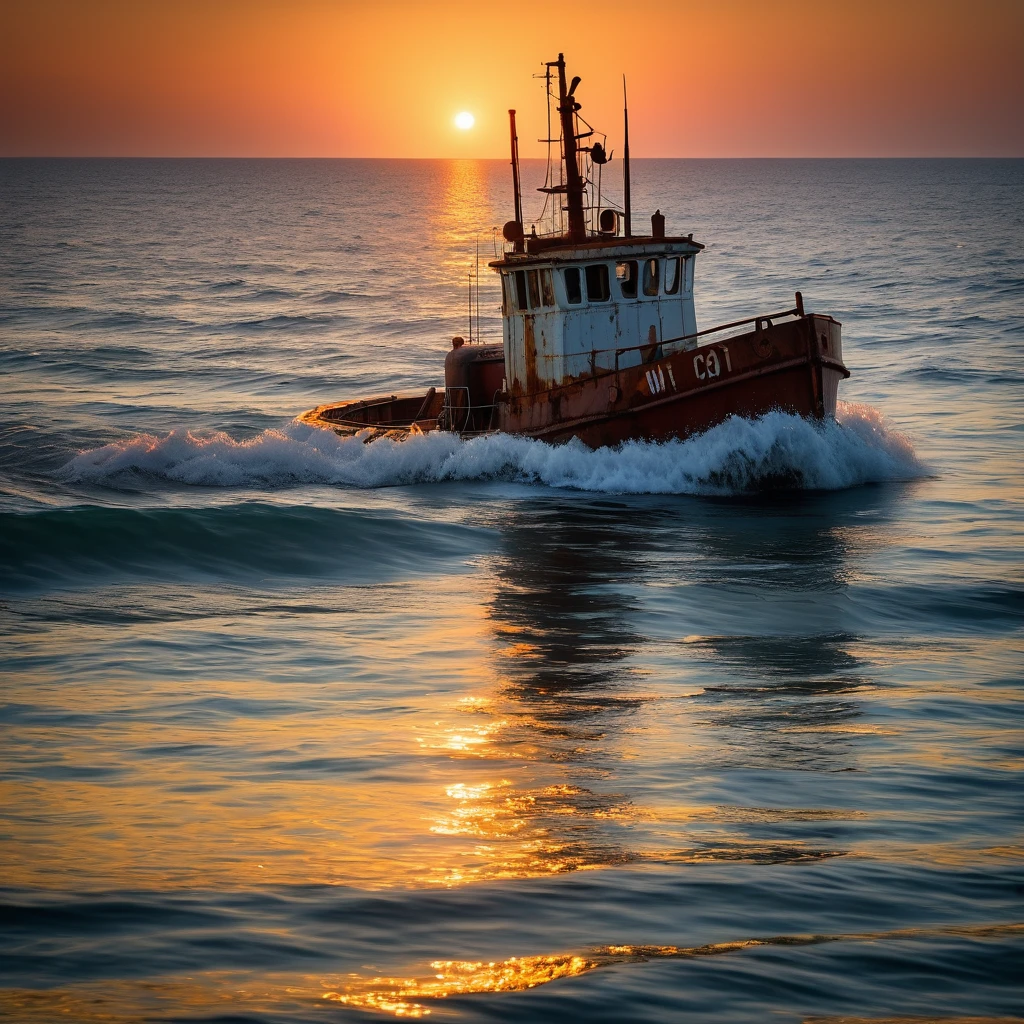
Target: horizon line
[[501, 159]]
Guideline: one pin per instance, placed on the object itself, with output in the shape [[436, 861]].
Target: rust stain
[[648, 353], [533, 384]]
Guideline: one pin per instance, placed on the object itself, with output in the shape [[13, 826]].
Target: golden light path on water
[[453, 978], [502, 764]]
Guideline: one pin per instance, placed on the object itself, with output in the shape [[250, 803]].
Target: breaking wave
[[775, 451]]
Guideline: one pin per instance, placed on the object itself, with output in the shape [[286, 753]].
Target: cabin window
[[626, 273], [672, 275], [547, 288], [651, 275], [597, 283], [521, 290], [534, 287], [573, 293], [689, 273]]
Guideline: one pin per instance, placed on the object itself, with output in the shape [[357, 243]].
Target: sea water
[[294, 727]]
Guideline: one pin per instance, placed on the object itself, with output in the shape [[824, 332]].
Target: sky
[[333, 78]]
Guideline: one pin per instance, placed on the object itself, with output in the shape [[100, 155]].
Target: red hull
[[794, 366]]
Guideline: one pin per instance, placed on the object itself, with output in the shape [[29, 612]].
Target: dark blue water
[[294, 727]]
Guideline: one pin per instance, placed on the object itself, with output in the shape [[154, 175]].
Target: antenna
[[548, 180], [551, 210], [625, 162]]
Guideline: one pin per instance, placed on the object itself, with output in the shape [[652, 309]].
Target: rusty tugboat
[[600, 339]]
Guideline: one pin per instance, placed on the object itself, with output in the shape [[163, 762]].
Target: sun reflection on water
[[454, 977], [527, 833], [399, 996], [496, 738]]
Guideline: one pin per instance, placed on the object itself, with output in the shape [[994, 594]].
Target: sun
[[465, 120]]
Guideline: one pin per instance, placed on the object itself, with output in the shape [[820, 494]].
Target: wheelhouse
[[577, 312]]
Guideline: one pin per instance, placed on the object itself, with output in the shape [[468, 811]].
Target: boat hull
[[793, 366]]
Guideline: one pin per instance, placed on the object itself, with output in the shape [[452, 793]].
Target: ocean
[[296, 728]]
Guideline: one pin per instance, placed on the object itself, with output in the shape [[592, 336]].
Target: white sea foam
[[736, 456]]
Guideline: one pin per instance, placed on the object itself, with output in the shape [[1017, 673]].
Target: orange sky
[[386, 78]]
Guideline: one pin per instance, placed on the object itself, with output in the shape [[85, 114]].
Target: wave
[[281, 322], [266, 294], [235, 542], [446, 978], [739, 456], [338, 296]]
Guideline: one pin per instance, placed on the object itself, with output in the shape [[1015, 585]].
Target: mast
[[515, 166], [625, 162], [567, 107]]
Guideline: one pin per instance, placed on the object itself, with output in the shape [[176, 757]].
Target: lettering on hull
[[708, 365], [656, 380]]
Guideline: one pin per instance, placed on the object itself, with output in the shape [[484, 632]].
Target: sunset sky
[[386, 79]]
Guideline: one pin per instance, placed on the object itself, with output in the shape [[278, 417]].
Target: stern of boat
[[827, 356]]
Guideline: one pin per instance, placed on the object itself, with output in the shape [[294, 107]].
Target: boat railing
[[452, 411], [760, 323], [446, 418]]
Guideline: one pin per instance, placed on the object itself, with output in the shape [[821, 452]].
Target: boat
[[599, 332]]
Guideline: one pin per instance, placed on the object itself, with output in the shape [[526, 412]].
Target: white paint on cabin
[[582, 306]]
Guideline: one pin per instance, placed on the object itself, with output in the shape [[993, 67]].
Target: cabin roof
[[547, 250]]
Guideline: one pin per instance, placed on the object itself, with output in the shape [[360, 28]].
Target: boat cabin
[[574, 311]]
